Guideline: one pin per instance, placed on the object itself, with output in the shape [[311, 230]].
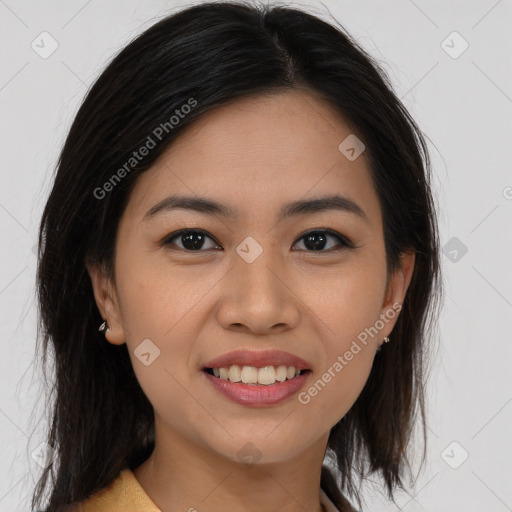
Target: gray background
[[463, 104]]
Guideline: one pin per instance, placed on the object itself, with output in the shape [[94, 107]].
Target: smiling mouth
[[256, 376]]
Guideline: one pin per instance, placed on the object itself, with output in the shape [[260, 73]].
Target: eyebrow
[[301, 207]]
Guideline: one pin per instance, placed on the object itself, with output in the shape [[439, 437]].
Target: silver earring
[[103, 327], [386, 339]]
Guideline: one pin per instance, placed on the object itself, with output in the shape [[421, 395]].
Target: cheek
[[170, 318], [339, 387], [157, 294], [162, 316], [346, 307], [342, 376], [346, 299], [162, 302]]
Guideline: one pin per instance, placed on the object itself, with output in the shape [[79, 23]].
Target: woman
[[240, 220]]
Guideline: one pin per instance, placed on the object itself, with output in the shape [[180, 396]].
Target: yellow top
[[125, 494]]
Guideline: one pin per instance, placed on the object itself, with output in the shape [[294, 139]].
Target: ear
[[107, 302], [398, 283]]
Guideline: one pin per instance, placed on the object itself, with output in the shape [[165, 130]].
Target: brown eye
[[318, 240], [191, 240]]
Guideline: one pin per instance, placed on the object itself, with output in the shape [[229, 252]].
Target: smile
[[265, 376], [256, 394]]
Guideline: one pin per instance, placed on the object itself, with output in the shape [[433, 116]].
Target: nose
[[258, 297]]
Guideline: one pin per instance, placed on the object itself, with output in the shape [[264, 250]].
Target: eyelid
[[167, 238], [344, 241]]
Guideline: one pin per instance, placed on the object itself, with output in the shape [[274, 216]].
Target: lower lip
[[258, 396]]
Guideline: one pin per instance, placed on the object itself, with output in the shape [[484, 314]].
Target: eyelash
[[344, 241]]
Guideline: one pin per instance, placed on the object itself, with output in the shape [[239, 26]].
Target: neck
[[180, 475]]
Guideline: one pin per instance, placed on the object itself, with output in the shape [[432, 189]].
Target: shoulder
[[347, 506], [333, 498], [341, 505], [124, 493]]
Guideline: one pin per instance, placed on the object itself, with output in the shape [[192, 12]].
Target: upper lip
[[258, 358]]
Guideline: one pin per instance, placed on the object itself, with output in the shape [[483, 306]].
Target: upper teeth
[[252, 375]]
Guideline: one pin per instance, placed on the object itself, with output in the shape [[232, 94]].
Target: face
[[311, 283]]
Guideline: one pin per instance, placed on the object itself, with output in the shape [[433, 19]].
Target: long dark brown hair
[[216, 52]]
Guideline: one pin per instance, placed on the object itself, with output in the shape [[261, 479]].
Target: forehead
[[259, 152]]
